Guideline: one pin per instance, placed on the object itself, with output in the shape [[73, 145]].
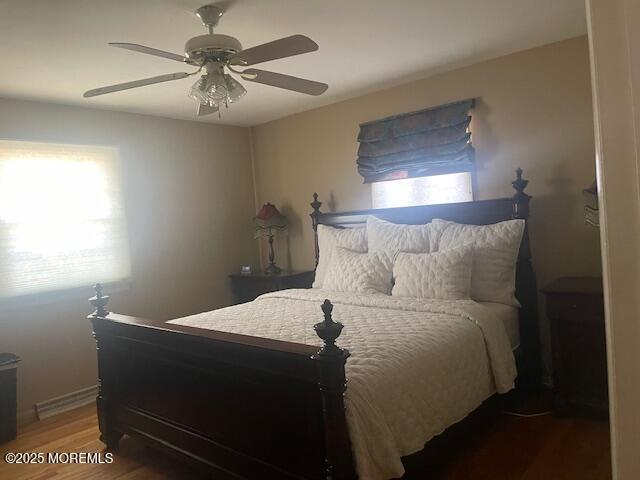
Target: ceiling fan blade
[[150, 51], [284, 81], [135, 84], [206, 110], [285, 47]]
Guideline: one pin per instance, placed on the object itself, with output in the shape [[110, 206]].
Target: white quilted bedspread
[[416, 367]]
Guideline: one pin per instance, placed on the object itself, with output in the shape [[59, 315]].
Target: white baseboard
[[66, 402]]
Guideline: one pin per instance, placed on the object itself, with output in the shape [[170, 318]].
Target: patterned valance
[[427, 142]]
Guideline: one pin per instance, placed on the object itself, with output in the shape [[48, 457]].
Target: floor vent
[[66, 402]]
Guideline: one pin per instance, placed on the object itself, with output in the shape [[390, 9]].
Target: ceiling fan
[[216, 54]]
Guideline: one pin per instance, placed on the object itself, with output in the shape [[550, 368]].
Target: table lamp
[[268, 223]]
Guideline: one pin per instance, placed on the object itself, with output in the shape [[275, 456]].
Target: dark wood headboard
[[482, 212]]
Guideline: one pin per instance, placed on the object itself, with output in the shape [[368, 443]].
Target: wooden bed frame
[[248, 407]]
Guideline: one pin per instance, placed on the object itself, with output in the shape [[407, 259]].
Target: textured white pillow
[[495, 253], [392, 238], [443, 275], [357, 272], [329, 238]]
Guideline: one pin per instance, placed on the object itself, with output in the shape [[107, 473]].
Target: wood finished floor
[[509, 448]]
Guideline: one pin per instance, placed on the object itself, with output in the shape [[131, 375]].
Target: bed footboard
[[244, 407]]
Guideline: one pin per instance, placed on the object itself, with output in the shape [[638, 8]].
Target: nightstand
[[575, 309], [246, 287]]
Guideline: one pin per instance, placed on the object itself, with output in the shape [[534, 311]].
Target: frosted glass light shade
[[235, 88], [198, 91]]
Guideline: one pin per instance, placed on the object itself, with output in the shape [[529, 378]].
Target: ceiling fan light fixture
[[216, 88]]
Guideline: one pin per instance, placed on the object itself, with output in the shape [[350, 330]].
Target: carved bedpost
[[108, 435], [521, 211], [530, 371], [314, 222], [333, 383]]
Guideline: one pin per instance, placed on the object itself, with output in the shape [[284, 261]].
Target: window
[[62, 222], [449, 188]]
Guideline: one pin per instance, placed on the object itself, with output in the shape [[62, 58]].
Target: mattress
[[509, 317], [416, 367]]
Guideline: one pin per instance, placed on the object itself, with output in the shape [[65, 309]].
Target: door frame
[[615, 74]]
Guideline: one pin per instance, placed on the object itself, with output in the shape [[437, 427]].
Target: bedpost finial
[[327, 308], [315, 204], [329, 331], [99, 301], [519, 183], [520, 199]]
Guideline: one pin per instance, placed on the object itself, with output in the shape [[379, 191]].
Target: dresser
[[246, 287], [575, 309]]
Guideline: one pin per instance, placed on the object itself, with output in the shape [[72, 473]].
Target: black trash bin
[[8, 368]]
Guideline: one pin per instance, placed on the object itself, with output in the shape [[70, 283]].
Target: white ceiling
[[55, 50]]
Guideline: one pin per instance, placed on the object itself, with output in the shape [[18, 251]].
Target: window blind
[[434, 141], [62, 221]]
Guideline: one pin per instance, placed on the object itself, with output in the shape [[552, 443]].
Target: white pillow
[[328, 238], [443, 275], [495, 253], [357, 272], [392, 238]]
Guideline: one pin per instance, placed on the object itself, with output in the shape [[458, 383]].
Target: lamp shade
[[269, 221]]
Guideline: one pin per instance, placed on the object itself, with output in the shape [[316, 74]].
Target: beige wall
[[188, 191], [615, 49], [534, 111]]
